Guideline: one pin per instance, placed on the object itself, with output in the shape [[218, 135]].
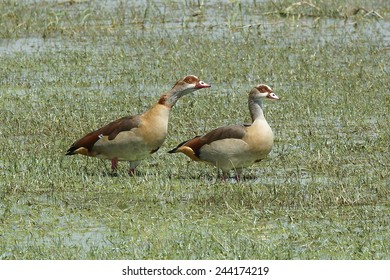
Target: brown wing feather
[[225, 132], [111, 130]]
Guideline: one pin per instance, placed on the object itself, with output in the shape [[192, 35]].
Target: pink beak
[[202, 84]]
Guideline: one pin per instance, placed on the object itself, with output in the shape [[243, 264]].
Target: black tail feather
[[71, 151], [178, 146]]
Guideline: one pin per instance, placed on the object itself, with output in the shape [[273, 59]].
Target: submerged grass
[[70, 67]]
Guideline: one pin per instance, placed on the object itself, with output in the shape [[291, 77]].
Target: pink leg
[[131, 172], [238, 174], [114, 164], [223, 176], [133, 165]]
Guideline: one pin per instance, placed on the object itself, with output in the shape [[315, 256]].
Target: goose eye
[[272, 95]]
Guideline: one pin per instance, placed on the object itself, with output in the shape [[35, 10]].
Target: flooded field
[[69, 67]]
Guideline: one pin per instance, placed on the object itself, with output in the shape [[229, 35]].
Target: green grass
[[70, 67]]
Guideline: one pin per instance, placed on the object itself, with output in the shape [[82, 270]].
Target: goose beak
[[202, 84]]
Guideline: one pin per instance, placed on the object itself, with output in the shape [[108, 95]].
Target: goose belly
[[234, 153], [126, 146]]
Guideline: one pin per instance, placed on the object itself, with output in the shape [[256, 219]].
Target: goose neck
[[256, 109]]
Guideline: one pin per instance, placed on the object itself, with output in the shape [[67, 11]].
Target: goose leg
[[224, 176], [238, 174], [133, 165], [114, 164]]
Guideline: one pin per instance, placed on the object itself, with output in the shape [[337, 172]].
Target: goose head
[[184, 86], [189, 84], [262, 91]]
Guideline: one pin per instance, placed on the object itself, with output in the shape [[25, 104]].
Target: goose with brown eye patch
[[235, 146], [134, 138]]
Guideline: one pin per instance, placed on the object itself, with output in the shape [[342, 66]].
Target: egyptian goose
[[235, 146], [134, 138]]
